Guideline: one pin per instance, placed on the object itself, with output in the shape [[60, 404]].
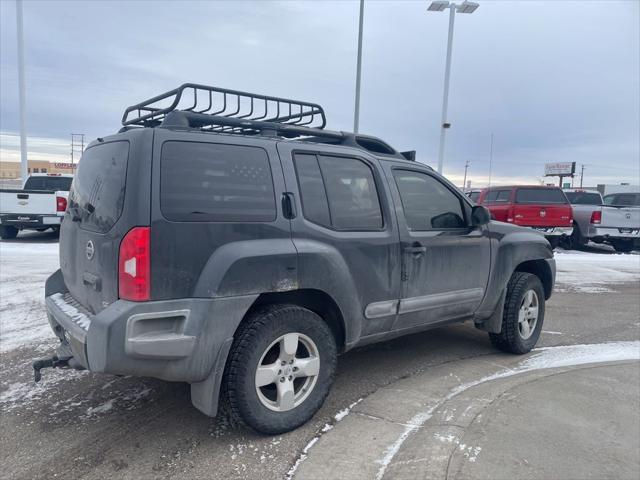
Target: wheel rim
[[528, 314], [287, 372]]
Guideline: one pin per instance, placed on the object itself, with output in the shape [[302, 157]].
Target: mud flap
[[493, 324], [205, 395]]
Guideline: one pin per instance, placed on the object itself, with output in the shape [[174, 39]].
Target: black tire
[[623, 246], [8, 232], [510, 339], [253, 338], [577, 240], [554, 241]]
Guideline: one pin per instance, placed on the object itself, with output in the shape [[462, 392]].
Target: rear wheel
[[523, 314], [280, 368], [8, 232], [623, 246]]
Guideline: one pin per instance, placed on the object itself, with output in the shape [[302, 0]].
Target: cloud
[[552, 82]]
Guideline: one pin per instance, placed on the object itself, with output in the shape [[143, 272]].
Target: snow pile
[[76, 315], [24, 267], [594, 272]]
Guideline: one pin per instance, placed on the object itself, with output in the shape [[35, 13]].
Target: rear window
[[540, 195], [212, 182], [57, 184], [584, 198], [623, 199], [97, 191]]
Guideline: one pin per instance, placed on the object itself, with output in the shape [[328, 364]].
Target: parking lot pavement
[[84, 425]]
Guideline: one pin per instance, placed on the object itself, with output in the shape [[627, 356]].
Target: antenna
[[490, 157]]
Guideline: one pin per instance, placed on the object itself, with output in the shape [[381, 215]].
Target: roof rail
[[224, 103]]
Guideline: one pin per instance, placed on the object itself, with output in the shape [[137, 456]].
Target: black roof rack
[[231, 111], [225, 103]]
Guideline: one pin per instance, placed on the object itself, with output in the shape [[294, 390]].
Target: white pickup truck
[[39, 205], [614, 219]]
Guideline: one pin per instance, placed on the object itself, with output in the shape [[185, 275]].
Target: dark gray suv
[[228, 240]]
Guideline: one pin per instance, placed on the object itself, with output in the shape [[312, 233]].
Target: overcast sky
[[552, 80]]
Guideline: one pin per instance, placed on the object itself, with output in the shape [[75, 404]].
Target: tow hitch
[[53, 362]]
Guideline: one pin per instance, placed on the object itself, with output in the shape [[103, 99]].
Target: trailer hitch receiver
[[50, 362]]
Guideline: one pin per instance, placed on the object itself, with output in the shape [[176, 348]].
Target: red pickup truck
[[545, 209]]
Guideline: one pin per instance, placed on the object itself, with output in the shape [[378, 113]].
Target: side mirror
[[479, 216]]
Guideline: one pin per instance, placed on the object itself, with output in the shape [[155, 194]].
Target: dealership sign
[[562, 168], [64, 165]]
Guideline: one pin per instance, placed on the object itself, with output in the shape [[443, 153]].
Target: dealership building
[[11, 170]]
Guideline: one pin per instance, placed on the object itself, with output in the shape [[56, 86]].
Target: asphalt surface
[[92, 426]]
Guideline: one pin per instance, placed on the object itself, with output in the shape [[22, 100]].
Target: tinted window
[[623, 199], [584, 198], [495, 196], [474, 196], [210, 182], [540, 195], [97, 191], [491, 196], [351, 193], [427, 203], [48, 183], [312, 192]]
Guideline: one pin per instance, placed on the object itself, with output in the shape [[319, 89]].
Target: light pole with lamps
[[439, 6]]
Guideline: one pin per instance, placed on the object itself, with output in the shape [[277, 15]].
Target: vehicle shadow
[[34, 237]]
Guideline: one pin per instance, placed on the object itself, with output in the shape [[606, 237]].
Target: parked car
[[473, 195], [614, 220], [545, 209], [39, 205], [242, 255]]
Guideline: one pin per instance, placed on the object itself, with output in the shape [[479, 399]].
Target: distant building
[[606, 189], [11, 170]]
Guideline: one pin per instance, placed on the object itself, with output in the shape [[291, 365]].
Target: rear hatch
[[89, 242], [541, 207]]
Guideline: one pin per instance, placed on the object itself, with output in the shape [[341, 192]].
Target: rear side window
[[338, 192], [623, 199], [212, 182], [584, 198], [497, 196], [97, 191], [57, 184], [540, 195], [427, 203]]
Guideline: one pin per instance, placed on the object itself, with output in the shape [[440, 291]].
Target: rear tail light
[[596, 217], [61, 204], [134, 265]]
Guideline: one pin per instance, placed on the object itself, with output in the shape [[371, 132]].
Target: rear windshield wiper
[[88, 208]]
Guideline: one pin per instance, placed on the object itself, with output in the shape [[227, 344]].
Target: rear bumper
[[30, 220], [554, 231], [175, 340], [606, 233]]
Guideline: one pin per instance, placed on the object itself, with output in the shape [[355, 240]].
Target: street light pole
[[439, 6], [445, 96], [356, 113], [464, 182], [21, 93]]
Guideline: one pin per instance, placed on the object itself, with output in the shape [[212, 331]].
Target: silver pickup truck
[[614, 219]]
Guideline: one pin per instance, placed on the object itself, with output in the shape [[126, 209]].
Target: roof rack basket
[[216, 109]]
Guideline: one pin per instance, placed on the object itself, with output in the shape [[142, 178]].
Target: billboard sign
[[64, 165], [561, 168]]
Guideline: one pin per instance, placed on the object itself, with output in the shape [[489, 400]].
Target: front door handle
[[416, 250]]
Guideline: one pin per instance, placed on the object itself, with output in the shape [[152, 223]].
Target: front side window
[[211, 182], [338, 192], [427, 203]]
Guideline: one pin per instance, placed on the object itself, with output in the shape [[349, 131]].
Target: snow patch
[[592, 272], [543, 358], [76, 315]]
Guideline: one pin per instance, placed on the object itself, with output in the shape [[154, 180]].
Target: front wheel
[[523, 314], [280, 368]]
